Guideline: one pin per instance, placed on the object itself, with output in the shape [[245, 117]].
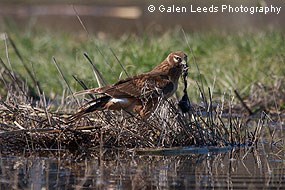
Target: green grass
[[225, 61]]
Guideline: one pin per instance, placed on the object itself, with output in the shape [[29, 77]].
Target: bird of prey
[[138, 94]]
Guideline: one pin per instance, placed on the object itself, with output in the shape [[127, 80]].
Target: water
[[261, 168]]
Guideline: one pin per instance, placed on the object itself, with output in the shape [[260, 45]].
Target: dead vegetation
[[28, 127], [31, 122], [28, 124]]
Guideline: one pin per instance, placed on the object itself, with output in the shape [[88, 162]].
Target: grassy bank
[[225, 61]]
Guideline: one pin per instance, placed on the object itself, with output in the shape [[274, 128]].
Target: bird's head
[[178, 59], [175, 64], [178, 63]]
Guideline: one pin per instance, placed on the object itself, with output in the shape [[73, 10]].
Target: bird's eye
[[177, 59]]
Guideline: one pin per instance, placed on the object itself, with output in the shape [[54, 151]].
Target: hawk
[[138, 94]]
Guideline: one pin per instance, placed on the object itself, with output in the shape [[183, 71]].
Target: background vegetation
[[225, 61]]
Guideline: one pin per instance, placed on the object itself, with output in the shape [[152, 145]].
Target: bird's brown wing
[[117, 89], [141, 85]]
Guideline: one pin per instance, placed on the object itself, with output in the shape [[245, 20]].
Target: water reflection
[[242, 169]]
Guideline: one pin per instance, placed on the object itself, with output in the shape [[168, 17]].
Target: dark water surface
[[239, 169]]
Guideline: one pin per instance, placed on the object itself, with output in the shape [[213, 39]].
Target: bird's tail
[[89, 107]]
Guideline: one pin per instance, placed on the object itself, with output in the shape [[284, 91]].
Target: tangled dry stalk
[[31, 125]]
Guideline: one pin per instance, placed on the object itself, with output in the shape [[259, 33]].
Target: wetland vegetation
[[235, 84]]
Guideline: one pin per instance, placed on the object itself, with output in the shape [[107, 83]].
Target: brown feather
[[140, 93]]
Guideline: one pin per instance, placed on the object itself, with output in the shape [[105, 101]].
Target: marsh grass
[[33, 128], [29, 125], [38, 86], [226, 61]]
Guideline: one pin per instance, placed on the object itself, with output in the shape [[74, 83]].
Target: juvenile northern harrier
[[139, 94]]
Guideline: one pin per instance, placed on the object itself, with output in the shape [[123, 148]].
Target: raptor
[[138, 94]]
